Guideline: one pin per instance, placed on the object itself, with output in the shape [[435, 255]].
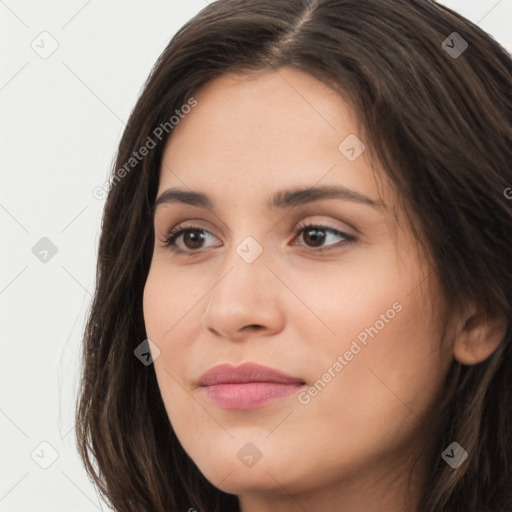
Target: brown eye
[[193, 238], [316, 236], [184, 239]]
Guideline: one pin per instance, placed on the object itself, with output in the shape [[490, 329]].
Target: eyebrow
[[280, 200]]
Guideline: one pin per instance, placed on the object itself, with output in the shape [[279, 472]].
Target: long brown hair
[[437, 113]]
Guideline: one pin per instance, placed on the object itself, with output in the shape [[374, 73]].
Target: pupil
[[317, 238], [195, 237]]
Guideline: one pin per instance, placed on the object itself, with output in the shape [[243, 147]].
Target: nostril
[[253, 326]]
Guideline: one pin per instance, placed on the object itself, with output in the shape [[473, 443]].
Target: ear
[[478, 336]]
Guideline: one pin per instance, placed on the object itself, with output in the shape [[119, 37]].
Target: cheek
[[385, 391], [169, 304], [172, 324], [392, 367], [153, 304]]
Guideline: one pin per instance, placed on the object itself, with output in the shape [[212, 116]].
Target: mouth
[[248, 386]]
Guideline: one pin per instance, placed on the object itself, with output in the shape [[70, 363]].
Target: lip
[[247, 386]]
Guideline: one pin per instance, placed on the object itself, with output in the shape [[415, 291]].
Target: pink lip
[[247, 386]]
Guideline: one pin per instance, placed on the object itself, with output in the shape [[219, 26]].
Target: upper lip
[[246, 372]]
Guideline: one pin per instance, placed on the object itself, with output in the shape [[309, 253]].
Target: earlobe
[[479, 337]]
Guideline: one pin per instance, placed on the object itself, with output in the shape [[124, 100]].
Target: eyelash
[[170, 237]]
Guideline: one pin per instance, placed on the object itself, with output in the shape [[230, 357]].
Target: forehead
[[266, 130], [280, 106]]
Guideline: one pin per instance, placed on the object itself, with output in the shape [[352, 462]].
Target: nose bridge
[[243, 296], [244, 271]]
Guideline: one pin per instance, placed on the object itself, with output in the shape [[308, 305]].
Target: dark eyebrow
[[289, 198], [280, 200]]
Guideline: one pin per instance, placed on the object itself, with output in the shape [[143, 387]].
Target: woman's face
[[339, 307]]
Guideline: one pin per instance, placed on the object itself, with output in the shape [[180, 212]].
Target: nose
[[244, 302]]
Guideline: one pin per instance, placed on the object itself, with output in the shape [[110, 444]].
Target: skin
[[294, 309]]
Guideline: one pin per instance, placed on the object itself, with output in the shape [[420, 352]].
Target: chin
[[242, 480]]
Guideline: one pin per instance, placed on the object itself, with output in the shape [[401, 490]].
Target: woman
[[304, 278]]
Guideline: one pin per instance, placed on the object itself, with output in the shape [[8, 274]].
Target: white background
[[61, 119]]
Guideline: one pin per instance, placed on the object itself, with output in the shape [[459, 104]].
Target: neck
[[385, 486]]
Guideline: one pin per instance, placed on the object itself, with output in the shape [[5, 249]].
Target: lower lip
[[249, 395]]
